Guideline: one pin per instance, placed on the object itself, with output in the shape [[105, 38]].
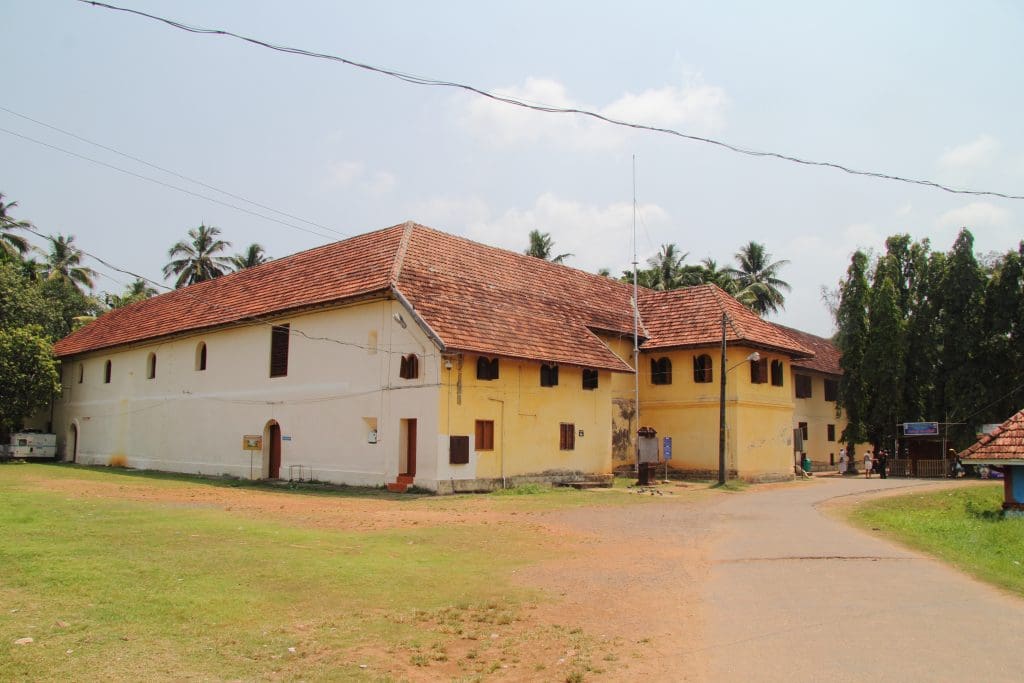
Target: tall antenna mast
[[636, 329]]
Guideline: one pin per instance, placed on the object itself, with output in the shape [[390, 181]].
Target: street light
[[755, 356]]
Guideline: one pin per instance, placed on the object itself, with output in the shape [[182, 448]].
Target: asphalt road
[[796, 595]]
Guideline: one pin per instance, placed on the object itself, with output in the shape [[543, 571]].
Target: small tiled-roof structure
[[472, 297], [826, 354], [692, 317], [1003, 446]]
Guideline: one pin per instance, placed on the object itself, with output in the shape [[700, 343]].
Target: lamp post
[[755, 356]]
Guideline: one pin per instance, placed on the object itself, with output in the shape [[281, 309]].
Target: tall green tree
[[28, 374], [12, 246], [1003, 350], [760, 274], [852, 340], [198, 258], [542, 246], [883, 365], [252, 256], [666, 267], [921, 349], [64, 262]]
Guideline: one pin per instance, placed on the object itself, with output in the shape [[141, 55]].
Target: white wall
[[193, 421]]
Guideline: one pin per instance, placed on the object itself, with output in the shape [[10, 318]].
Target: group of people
[[876, 463]]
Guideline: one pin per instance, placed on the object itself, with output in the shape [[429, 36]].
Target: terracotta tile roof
[[826, 354], [341, 270], [692, 316], [1005, 443]]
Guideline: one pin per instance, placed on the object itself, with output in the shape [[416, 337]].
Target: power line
[[169, 172], [423, 80], [170, 186]]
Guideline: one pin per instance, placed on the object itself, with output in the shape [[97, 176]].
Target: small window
[[486, 368], [458, 450], [661, 371], [485, 435], [803, 429], [279, 335], [589, 379], [803, 386], [106, 373], [759, 371], [567, 436], [81, 372], [151, 366], [831, 390], [831, 432], [777, 373], [548, 375], [410, 367], [200, 356], [702, 373]]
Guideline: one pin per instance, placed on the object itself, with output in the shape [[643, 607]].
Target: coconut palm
[[12, 247], [666, 267], [196, 260], [63, 262], [252, 256], [139, 290], [541, 246], [758, 274]]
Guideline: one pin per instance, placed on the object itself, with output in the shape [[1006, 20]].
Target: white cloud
[[353, 174], [596, 236], [695, 107], [971, 155], [976, 215]]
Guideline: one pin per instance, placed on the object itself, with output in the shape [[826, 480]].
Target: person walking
[[881, 462], [867, 464], [842, 461]]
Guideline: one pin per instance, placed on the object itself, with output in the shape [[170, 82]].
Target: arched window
[[106, 373], [702, 373], [590, 378], [81, 372], [151, 366], [661, 371], [777, 373], [486, 368], [549, 375], [759, 371], [410, 367], [200, 356]]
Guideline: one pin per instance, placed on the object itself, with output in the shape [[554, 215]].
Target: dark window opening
[[661, 371], [410, 367], [458, 450], [151, 366], [831, 432], [485, 435], [777, 373], [201, 356], [803, 386], [106, 373], [589, 379], [548, 375], [759, 371], [279, 336], [831, 390], [486, 368], [702, 373], [81, 372], [803, 429], [567, 437]]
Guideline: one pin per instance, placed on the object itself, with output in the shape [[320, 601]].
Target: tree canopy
[[198, 258]]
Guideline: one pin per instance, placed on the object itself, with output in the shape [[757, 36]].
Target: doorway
[[273, 451], [72, 443], [407, 444]]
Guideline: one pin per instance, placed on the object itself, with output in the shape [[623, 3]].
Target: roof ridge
[[403, 247], [718, 293]]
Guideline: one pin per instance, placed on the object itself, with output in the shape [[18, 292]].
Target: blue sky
[[925, 90]]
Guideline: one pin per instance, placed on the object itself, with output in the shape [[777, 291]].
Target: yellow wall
[[818, 414], [526, 419], [623, 410], [758, 416]]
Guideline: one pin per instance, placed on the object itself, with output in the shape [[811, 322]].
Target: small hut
[[1003, 449]]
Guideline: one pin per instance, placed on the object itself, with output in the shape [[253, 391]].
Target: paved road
[[794, 595]]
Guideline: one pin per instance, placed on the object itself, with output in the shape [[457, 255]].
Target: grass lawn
[[120, 575], [962, 526]]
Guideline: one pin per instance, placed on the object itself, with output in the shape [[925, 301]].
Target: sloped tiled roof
[[692, 316], [826, 354], [1006, 442]]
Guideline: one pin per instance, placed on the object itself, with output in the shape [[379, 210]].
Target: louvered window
[[279, 336]]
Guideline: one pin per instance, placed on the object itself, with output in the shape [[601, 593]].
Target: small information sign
[[667, 447], [920, 429], [252, 442]]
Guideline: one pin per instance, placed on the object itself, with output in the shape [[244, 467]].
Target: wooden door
[[410, 441], [274, 469]]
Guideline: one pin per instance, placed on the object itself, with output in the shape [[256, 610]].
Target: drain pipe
[[501, 459]]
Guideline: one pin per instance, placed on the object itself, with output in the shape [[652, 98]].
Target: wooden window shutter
[[458, 450], [279, 336]]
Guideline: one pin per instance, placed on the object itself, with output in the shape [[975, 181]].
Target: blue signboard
[[920, 429], [667, 441]]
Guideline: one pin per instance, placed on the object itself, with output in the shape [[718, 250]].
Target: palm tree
[[758, 275], [196, 260], [252, 256], [541, 246], [139, 290], [713, 275], [63, 262], [12, 247]]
